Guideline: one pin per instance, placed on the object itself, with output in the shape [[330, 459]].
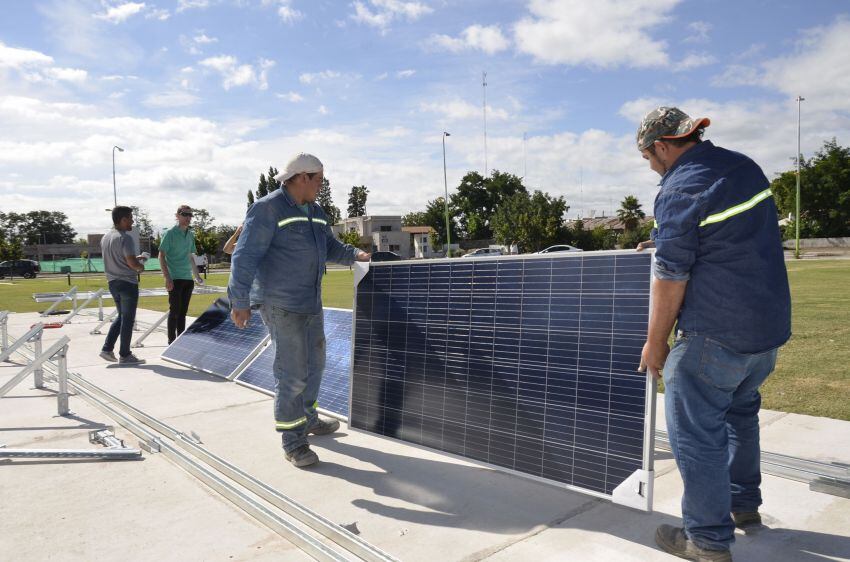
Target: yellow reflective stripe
[[655, 224], [737, 209], [290, 425], [320, 221], [290, 220], [315, 405]]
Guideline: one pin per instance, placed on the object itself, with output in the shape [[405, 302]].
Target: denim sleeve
[[677, 236], [257, 232], [337, 251]]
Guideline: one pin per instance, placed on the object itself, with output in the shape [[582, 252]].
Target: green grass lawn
[[812, 375]]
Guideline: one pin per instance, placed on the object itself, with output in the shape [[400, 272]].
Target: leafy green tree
[[357, 201], [477, 198], [266, 184], [350, 237], [250, 198], [326, 202], [202, 220], [435, 217], [143, 222], [532, 221], [37, 227], [630, 213], [415, 218], [631, 238], [824, 193]]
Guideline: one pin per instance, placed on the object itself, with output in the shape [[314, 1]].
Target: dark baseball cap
[[667, 123]]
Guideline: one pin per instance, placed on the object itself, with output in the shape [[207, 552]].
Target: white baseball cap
[[301, 163]]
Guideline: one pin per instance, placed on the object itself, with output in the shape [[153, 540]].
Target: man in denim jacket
[[720, 276], [285, 242]]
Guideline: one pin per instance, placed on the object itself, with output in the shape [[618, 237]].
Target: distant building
[[385, 234], [608, 223]]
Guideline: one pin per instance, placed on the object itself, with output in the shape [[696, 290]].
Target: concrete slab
[[414, 503]]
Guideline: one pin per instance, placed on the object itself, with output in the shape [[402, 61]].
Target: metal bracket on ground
[[103, 322], [153, 327], [70, 295], [77, 309]]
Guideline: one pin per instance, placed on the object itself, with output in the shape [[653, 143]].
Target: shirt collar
[[688, 156], [287, 196]]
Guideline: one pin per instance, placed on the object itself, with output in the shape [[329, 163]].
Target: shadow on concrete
[[85, 423], [176, 372], [791, 545]]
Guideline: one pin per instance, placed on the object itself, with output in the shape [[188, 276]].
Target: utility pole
[[446, 200], [484, 85], [114, 190], [797, 215]]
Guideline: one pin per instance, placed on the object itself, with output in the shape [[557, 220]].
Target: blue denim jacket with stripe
[[286, 250], [717, 227]]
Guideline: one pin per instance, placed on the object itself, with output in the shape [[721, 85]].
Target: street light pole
[[114, 190], [797, 215], [446, 200]]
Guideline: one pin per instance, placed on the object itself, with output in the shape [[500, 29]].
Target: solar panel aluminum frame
[[637, 490], [263, 347], [239, 368]]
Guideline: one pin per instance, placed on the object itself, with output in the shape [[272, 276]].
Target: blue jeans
[[712, 402], [298, 365], [126, 297]]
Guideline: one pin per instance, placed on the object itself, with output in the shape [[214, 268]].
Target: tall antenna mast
[[484, 85]]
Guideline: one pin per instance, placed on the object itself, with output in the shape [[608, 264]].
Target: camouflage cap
[[667, 123]]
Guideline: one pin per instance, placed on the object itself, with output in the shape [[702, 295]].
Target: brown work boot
[[302, 456], [746, 519], [673, 540]]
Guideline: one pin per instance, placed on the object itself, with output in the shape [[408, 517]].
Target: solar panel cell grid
[[528, 364]]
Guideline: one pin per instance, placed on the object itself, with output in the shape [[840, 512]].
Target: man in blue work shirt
[[720, 276], [285, 242]]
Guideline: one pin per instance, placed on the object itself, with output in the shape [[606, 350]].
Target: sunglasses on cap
[[185, 214]]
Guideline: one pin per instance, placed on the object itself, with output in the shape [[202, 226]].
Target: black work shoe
[[130, 360], [746, 519], [322, 427], [673, 540], [302, 456]]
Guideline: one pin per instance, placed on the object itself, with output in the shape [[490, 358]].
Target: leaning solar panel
[[334, 391], [528, 363], [213, 344]]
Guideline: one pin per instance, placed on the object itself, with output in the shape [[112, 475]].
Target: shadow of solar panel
[[334, 391], [213, 344], [526, 363]]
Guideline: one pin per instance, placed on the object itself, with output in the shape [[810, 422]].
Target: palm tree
[[630, 213]]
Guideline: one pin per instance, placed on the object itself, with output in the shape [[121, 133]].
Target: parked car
[[385, 256], [19, 268], [483, 252], [559, 248]]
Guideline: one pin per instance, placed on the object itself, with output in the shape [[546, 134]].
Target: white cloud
[[382, 13], [323, 110], [13, 57], [603, 33], [36, 67], [313, 77], [194, 45], [203, 39], [488, 39], [819, 69], [291, 97], [405, 73], [694, 60], [173, 98], [460, 110], [158, 14], [183, 5], [235, 74], [120, 12], [698, 32]]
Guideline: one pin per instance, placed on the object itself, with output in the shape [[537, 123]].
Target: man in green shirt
[[177, 259]]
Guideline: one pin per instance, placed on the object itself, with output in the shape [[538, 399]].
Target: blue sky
[[206, 94]]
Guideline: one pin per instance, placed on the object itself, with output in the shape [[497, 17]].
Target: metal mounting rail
[[103, 322], [150, 330], [4, 330], [832, 478], [247, 502], [57, 346], [77, 309], [35, 331], [191, 443], [70, 295]]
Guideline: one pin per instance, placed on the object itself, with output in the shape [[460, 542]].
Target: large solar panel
[[213, 344], [526, 363], [334, 391]]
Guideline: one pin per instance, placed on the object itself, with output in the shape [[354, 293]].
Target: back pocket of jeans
[[721, 367]]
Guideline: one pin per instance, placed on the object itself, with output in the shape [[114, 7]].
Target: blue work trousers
[[126, 297], [298, 365], [712, 402]]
